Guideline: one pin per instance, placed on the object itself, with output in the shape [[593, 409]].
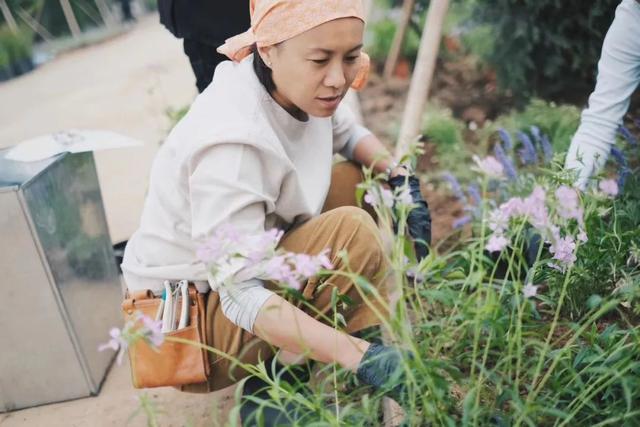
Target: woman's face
[[313, 71]]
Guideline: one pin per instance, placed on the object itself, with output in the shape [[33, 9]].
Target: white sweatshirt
[[618, 78], [237, 157]]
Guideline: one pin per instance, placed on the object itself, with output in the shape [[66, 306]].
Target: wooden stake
[[422, 75], [398, 38], [71, 18], [35, 25], [8, 17], [105, 13]]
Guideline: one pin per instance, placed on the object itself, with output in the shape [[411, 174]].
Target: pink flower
[[490, 166], [404, 197], [513, 207], [563, 250], [151, 329], [305, 265], [142, 328], [536, 209], [323, 259], [530, 290], [278, 269], [533, 207], [263, 245], [379, 197], [496, 243], [499, 220], [224, 238], [116, 343], [609, 187], [569, 203], [582, 236]]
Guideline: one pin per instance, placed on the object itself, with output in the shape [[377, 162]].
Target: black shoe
[[255, 390], [381, 367]]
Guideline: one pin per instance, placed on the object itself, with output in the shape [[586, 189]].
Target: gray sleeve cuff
[[241, 302], [358, 133]]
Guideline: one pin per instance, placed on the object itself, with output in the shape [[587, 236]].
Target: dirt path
[[124, 84]]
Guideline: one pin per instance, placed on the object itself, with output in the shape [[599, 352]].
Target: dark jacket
[[209, 21]]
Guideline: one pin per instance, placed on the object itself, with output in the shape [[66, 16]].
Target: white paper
[[73, 141]]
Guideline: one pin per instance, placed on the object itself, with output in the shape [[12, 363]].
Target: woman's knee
[[359, 230], [353, 216]]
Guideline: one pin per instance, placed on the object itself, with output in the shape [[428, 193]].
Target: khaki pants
[[341, 227]]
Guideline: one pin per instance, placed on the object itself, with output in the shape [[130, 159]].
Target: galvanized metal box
[[59, 286]]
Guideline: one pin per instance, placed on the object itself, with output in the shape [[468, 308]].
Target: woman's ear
[[266, 53]]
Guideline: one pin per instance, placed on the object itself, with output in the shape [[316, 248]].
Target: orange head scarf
[[274, 21]]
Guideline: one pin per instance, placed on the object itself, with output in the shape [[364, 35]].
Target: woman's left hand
[[419, 219]]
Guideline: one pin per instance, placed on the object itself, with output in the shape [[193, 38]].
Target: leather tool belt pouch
[[172, 364]]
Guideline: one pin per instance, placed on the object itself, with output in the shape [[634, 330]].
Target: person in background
[[204, 25], [618, 78], [127, 16]]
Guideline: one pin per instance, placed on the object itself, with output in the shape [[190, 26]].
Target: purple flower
[[461, 222], [456, 189], [619, 156], [496, 243], [547, 149], [543, 141], [490, 166], [628, 136], [623, 170], [535, 131], [528, 152], [530, 290], [609, 187], [474, 192], [506, 139], [563, 250], [507, 164]]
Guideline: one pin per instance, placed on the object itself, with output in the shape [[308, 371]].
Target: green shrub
[[382, 34], [558, 122], [4, 58], [547, 48], [17, 46], [151, 5], [441, 127]]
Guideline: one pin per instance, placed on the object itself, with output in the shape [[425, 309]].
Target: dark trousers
[[127, 16], [204, 59]]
